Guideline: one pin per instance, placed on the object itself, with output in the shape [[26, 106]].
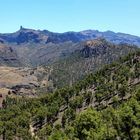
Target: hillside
[[24, 82], [8, 56], [66, 62], [89, 57], [104, 105]]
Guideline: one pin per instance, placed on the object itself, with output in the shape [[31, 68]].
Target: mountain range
[[35, 47], [64, 58], [37, 36], [69, 86]]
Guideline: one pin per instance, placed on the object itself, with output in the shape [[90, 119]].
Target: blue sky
[[71, 15]]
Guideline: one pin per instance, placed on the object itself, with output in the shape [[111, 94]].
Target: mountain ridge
[[25, 35], [90, 56]]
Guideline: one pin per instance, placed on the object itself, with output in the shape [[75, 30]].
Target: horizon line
[[21, 28]]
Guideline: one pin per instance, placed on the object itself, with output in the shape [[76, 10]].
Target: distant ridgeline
[[24, 36], [35, 47], [104, 105]]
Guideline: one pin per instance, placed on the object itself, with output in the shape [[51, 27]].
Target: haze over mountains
[[103, 106], [35, 47], [25, 35]]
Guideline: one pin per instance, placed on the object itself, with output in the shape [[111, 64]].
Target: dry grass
[[10, 76]]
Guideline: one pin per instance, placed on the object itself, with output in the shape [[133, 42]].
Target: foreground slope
[[104, 105]]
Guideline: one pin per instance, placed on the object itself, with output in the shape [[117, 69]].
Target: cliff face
[[95, 47]]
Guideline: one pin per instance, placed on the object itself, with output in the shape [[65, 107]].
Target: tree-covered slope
[[67, 63], [104, 105], [90, 57]]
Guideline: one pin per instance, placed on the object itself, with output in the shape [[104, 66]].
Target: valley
[[70, 70], [83, 110], [59, 65], [56, 86]]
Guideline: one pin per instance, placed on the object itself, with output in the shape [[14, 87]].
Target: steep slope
[[23, 36], [44, 54], [67, 62], [24, 82], [112, 93], [91, 56], [8, 56]]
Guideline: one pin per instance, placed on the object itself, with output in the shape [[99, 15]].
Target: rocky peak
[[95, 47], [96, 43]]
